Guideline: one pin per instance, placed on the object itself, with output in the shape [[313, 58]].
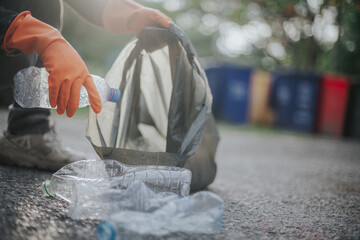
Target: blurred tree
[[272, 33], [308, 34], [346, 54]]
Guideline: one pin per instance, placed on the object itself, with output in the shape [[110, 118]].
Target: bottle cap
[[114, 95], [45, 188], [106, 231]]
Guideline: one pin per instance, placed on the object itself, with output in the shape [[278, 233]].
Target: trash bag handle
[[149, 39], [153, 38], [177, 34]]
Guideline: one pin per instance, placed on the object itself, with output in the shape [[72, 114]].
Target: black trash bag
[[164, 113]]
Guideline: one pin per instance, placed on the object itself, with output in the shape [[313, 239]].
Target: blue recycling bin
[[294, 97], [217, 78], [234, 107], [230, 88]]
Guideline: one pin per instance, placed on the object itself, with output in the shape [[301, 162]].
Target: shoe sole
[[17, 159]]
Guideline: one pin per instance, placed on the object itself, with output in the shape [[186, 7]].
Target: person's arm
[[67, 71], [90, 10], [119, 16], [123, 16]]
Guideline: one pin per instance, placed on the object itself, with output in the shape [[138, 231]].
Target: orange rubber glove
[[124, 16], [67, 71]]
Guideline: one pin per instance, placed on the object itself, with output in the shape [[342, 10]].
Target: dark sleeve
[[91, 10], [6, 18]]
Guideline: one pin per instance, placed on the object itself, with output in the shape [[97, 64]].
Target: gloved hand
[[67, 71], [124, 16]]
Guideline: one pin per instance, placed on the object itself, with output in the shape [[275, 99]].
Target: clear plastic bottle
[[91, 202], [111, 174], [32, 89], [200, 213]]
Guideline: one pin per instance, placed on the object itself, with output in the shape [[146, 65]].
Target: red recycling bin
[[332, 104]]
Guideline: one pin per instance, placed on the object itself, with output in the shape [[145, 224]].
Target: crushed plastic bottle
[[135, 201], [111, 174], [32, 89], [90, 202], [200, 213]]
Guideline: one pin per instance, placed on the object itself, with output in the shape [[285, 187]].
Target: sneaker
[[42, 151]]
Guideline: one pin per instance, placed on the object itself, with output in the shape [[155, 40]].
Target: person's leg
[[29, 140], [22, 120]]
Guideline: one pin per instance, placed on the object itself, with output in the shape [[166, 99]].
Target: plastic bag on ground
[[90, 202], [164, 109], [200, 213]]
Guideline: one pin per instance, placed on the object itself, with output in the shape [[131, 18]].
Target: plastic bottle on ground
[[91, 202], [200, 213], [32, 89], [111, 174]]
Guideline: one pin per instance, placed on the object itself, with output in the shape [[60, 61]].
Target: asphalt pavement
[[276, 185]]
